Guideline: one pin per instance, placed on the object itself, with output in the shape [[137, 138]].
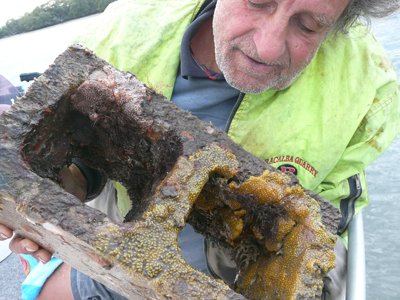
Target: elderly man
[[295, 82]]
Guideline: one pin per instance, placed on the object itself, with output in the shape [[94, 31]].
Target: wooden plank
[[176, 169]]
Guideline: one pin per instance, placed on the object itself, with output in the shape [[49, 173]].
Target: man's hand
[[74, 183], [20, 245]]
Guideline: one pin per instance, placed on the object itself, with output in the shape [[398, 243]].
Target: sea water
[[382, 216], [35, 51]]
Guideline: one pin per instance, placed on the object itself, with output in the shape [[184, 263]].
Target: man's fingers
[[42, 255], [5, 233], [20, 245]]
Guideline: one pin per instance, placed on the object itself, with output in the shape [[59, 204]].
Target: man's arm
[[59, 283]]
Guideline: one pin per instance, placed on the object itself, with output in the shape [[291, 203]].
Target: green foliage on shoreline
[[51, 13]]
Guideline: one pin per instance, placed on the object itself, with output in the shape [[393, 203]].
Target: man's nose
[[271, 39]]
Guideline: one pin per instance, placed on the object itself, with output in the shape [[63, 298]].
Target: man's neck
[[202, 46]]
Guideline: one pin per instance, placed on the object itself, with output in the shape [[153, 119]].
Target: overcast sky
[[17, 8]]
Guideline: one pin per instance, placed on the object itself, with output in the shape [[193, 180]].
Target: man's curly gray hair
[[358, 10]]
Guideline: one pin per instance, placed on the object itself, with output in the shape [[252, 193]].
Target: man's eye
[[258, 4], [267, 6], [305, 28]]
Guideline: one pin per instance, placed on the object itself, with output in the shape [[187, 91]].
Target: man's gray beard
[[280, 83]]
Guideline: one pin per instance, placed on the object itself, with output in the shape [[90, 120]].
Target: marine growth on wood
[[176, 170]]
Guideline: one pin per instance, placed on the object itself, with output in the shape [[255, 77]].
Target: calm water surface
[[34, 51]]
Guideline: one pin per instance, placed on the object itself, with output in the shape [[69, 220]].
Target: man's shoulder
[[357, 58], [138, 35], [130, 18], [358, 41]]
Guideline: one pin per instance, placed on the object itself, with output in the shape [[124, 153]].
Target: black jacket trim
[[347, 205]]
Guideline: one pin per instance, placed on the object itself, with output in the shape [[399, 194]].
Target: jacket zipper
[[234, 110], [349, 202]]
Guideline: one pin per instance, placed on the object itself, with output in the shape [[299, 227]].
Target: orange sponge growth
[[282, 222]]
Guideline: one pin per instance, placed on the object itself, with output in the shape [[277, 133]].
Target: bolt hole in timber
[[176, 171]]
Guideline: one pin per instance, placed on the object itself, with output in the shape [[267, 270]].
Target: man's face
[[266, 44]]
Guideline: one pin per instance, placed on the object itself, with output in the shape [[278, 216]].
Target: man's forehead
[[325, 12], [325, 8]]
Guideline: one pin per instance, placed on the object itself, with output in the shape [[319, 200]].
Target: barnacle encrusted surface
[[176, 169], [154, 252]]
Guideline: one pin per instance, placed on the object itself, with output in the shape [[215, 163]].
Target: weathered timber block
[[176, 169]]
